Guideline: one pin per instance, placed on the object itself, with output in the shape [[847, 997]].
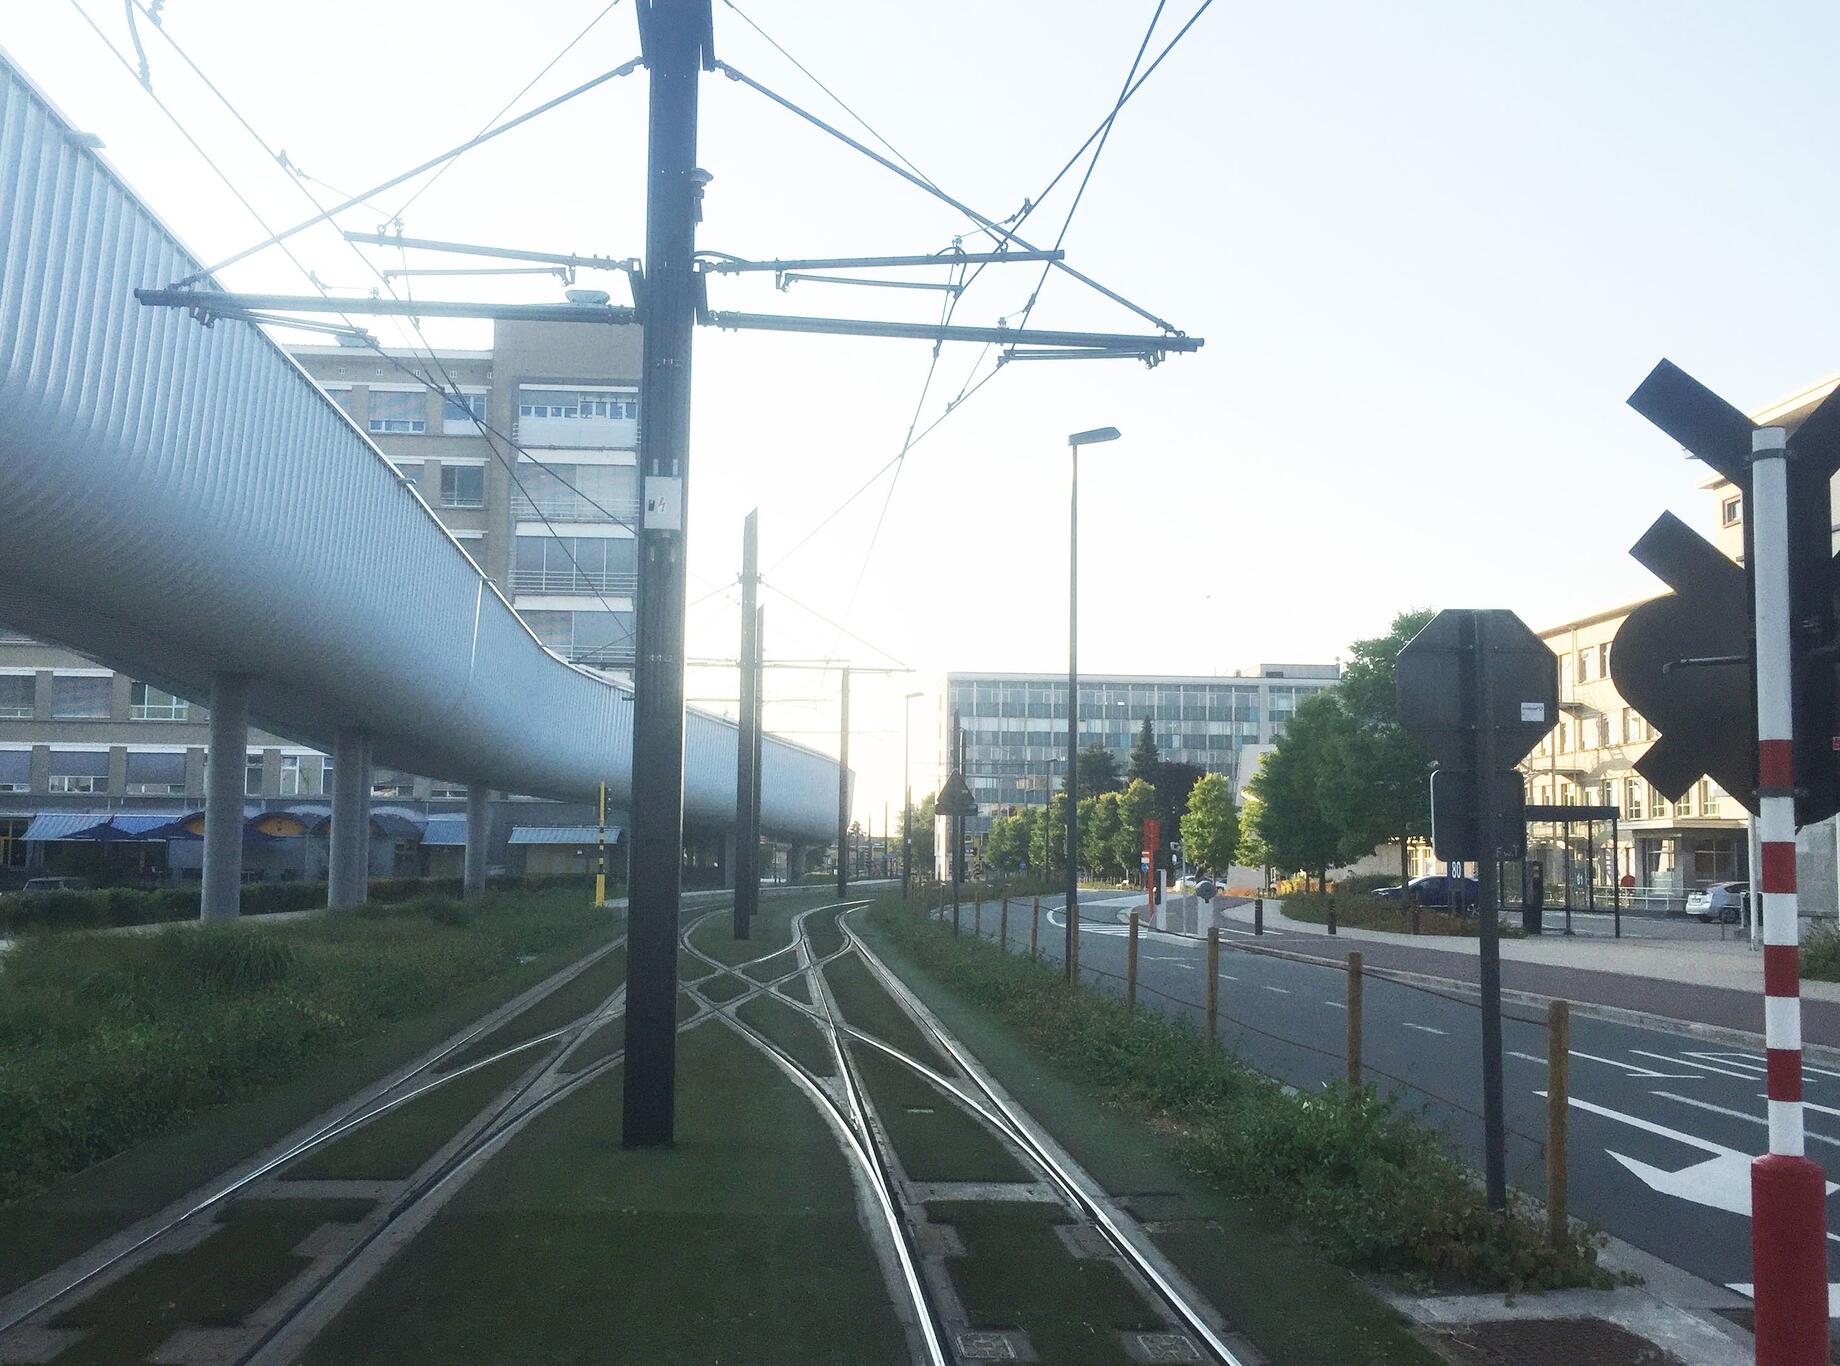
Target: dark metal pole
[[1072, 786], [1495, 1163], [674, 48], [843, 790], [1616, 877], [759, 730], [907, 797], [747, 880]]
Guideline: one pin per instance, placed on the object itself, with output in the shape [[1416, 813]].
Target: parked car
[[1433, 891], [56, 884], [1722, 901]]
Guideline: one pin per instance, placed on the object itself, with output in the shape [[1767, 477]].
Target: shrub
[[1365, 882], [1375, 913], [1821, 951]]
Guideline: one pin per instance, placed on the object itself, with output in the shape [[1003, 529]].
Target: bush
[[1365, 882], [105, 908], [1821, 951], [107, 1040], [1374, 913], [1375, 1188]]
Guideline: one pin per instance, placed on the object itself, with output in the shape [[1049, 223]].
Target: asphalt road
[[1663, 1124]]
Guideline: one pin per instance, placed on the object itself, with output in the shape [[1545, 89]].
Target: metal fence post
[[1354, 1019], [1558, 1106], [1034, 927], [1003, 926], [1213, 987], [977, 920], [1130, 967], [955, 914]]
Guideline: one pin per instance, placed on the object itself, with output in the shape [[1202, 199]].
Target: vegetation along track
[[960, 1180], [377, 1169]]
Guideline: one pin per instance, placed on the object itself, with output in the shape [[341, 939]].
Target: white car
[[1722, 901]]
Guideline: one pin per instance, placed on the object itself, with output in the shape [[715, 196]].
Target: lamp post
[[907, 791], [1072, 788]]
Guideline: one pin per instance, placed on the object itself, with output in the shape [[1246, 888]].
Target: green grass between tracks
[[799, 989], [117, 1043], [769, 969], [792, 1030], [583, 992], [933, 1137], [770, 929], [739, 1244], [1017, 1273], [247, 1258], [394, 1145], [866, 1005], [1244, 1252], [724, 986], [598, 1043], [822, 933]]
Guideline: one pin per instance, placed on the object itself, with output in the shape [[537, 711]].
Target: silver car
[[1722, 901]]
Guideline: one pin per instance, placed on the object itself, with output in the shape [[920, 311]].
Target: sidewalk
[[1700, 982]]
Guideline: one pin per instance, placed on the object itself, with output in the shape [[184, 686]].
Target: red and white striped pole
[[1788, 1189]]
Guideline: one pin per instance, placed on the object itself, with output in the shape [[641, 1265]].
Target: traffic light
[[1687, 661]]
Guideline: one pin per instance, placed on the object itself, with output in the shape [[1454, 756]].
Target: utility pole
[[1488, 927], [747, 813], [673, 34], [759, 729], [843, 790]]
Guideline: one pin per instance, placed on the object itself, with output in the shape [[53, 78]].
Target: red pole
[[1788, 1189]]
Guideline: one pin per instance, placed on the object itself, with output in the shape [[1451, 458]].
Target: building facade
[[1015, 725]]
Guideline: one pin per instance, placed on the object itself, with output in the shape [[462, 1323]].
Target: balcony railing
[[602, 655], [572, 581], [581, 433], [572, 507]]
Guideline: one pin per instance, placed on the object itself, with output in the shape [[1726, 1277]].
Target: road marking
[[1807, 1105], [1737, 1114], [1424, 1028], [1746, 1289], [1732, 1059], [1527, 1057], [1229, 976], [1282, 991], [1753, 1058], [1336, 1005], [1631, 1069], [1704, 1066]]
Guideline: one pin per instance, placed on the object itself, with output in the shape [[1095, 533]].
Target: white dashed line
[[1426, 1029], [1282, 991]]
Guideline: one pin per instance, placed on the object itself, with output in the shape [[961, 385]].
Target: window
[[442, 788], [1603, 660], [16, 695], [1731, 511], [155, 775], [12, 840], [1632, 726], [81, 697], [148, 703], [388, 783], [305, 775], [459, 411], [252, 774], [573, 404], [1632, 799], [575, 564], [585, 637], [463, 486], [1708, 804], [79, 770], [15, 770], [395, 411], [1583, 668]]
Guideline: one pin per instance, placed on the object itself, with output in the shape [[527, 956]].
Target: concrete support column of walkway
[[348, 855], [221, 897], [478, 830], [728, 860], [795, 864]]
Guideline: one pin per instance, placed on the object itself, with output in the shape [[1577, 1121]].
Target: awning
[[445, 830], [561, 834], [64, 825]]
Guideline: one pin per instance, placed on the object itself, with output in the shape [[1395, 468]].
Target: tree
[[1005, 846], [1048, 838], [1174, 781], [1099, 825], [1379, 793], [1293, 785], [1098, 771], [922, 835], [1144, 755], [1210, 825], [1252, 852], [1136, 804]]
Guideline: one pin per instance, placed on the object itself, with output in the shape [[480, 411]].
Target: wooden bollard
[[1354, 1019], [1558, 1105], [1331, 915], [955, 914], [1035, 927], [1213, 987], [1003, 926], [1130, 967]]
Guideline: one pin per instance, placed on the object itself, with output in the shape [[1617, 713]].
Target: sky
[[1431, 248]]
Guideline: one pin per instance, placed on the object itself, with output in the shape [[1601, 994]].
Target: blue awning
[[562, 834], [445, 830], [64, 825]]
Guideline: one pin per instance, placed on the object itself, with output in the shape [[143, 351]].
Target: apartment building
[[1016, 724], [527, 453]]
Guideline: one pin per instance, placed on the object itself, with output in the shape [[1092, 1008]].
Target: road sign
[[1686, 662], [1437, 691], [1456, 827], [955, 797]]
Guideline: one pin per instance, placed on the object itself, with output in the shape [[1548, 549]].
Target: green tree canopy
[[1099, 826], [1293, 783], [1174, 781], [1098, 771], [1048, 838], [1252, 852], [922, 834], [1210, 825], [1379, 793], [1006, 845], [1136, 804], [1144, 754]]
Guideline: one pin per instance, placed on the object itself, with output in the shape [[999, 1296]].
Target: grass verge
[[791, 1030], [868, 1006], [740, 1243], [583, 992], [1357, 911], [1370, 1187], [933, 1137]]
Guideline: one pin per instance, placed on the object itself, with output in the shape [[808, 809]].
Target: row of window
[[1633, 797], [1595, 732], [87, 697], [397, 411], [86, 772], [574, 405]]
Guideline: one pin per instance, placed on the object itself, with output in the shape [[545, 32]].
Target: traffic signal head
[[1687, 662]]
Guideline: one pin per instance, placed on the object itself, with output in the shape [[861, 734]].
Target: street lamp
[[907, 790], [1072, 789]]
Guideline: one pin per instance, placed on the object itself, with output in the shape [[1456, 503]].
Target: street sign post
[[1478, 690]]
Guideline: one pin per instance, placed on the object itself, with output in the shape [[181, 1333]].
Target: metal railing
[[574, 507], [572, 581]]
